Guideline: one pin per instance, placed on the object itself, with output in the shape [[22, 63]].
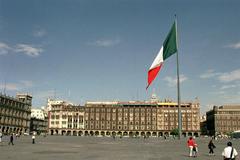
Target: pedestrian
[[195, 147], [190, 144], [211, 146], [0, 137], [11, 140], [33, 138], [229, 153]]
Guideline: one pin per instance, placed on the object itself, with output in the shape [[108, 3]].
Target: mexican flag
[[168, 48]]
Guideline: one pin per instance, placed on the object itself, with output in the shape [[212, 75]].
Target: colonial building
[[39, 126], [223, 119], [66, 119], [15, 113], [203, 125], [38, 113], [140, 118], [39, 121]]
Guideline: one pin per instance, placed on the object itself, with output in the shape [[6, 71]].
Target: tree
[[174, 132]]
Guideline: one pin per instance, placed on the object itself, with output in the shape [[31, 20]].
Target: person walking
[[211, 146], [11, 140], [0, 137], [229, 153], [33, 138], [195, 147], [190, 144]]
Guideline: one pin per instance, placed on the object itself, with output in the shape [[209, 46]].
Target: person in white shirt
[[229, 153], [0, 137]]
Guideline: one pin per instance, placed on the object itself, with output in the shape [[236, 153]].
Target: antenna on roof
[[54, 94], [4, 89]]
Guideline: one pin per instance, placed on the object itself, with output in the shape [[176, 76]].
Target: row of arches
[[8, 130], [116, 133]]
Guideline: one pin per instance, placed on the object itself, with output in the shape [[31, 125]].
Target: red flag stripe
[[152, 73]]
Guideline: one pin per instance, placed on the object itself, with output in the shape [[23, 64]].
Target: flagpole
[[178, 89]]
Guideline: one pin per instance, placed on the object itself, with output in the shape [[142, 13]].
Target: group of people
[[11, 138], [192, 145], [229, 152]]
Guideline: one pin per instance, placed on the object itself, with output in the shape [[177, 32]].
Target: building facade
[[223, 119], [15, 113], [140, 118], [66, 119], [39, 126], [39, 121], [38, 113]]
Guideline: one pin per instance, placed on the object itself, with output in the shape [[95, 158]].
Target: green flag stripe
[[170, 43]]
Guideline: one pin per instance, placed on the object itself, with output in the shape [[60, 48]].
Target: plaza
[[107, 148]]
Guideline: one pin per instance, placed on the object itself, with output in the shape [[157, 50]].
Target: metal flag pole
[[178, 89]]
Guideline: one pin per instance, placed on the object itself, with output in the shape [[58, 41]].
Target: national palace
[[132, 118]]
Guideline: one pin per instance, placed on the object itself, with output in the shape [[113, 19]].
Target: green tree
[[174, 132]]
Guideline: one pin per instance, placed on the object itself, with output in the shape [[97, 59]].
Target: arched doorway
[[154, 134], [91, 133], [196, 134], [142, 134], [148, 134], [113, 133], [189, 133], [68, 133], [125, 133], [160, 134], [131, 134], [74, 133], [137, 134], [63, 132], [102, 133], [166, 134], [108, 133], [86, 133], [80, 133], [119, 133], [184, 134], [96, 133]]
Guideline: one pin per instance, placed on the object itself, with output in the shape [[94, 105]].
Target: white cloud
[[10, 86], [39, 33], [231, 98], [105, 42], [222, 77], [228, 86], [230, 76], [173, 81], [44, 94], [4, 48], [209, 74], [17, 86], [28, 50], [218, 92], [234, 45], [27, 84]]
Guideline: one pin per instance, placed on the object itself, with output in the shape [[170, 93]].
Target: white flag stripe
[[158, 60]]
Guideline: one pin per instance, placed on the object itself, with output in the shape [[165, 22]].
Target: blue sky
[[89, 50]]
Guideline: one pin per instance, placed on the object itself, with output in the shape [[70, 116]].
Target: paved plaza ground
[[106, 148]]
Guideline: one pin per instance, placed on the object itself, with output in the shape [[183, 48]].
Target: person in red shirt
[[190, 144]]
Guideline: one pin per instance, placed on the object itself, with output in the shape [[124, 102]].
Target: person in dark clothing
[[211, 146], [11, 140]]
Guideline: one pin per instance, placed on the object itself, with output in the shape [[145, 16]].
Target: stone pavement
[[106, 148]]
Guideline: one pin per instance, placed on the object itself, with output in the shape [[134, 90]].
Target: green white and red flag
[[168, 48]]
